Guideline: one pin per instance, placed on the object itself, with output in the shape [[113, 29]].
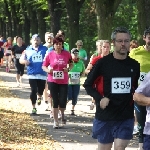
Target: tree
[[143, 17], [55, 11], [105, 10], [73, 19]]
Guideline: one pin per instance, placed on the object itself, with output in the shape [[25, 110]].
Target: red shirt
[[95, 59], [1, 44]]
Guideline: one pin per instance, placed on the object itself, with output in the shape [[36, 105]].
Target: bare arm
[[47, 70], [23, 59], [89, 67], [141, 99]]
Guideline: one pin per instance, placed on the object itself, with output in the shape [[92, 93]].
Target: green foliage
[[126, 15]]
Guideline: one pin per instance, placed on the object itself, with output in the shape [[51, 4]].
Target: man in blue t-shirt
[[33, 57]]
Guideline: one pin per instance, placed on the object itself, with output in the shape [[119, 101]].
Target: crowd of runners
[[117, 81]]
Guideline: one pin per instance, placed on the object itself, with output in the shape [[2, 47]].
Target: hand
[[27, 62], [51, 70], [65, 69], [104, 102]]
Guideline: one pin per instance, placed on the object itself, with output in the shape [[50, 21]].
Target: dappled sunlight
[[18, 130]]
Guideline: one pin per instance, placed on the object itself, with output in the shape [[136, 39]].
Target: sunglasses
[[79, 45]]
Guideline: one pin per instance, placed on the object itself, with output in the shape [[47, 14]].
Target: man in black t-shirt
[[118, 77]]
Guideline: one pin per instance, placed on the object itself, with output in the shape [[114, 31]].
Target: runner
[[1, 53], [82, 52], [118, 73], [142, 98], [7, 52], [33, 57], [98, 49], [142, 55], [58, 59], [74, 78], [103, 50], [46, 95], [16, 54]]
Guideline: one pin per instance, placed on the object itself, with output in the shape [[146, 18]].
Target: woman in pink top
[[58, 60]]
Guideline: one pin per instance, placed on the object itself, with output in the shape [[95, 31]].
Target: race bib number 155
[[121, 85], [58, 75]]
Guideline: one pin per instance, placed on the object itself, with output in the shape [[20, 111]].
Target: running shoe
[[51, 114], [135, 130], [92, 106], [39, 101], [56, 125], [34, 111], [6, 69], [59, 115], [72, 112], [18, 84], [63, 121]]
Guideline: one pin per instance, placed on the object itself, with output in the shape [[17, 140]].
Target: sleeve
[[93, 61], [13, 50], [83, 67], [132, 54], [144, 85], [70, 58], [92, 76], [23, 56], [46, 61]]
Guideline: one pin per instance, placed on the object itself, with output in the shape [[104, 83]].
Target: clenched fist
[[104, 102]]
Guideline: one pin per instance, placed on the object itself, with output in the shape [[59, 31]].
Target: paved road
[[76, 134]]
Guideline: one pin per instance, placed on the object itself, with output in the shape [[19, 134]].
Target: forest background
[[86, 20]]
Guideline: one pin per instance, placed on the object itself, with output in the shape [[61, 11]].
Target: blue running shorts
[[106, 131], [146, 143]]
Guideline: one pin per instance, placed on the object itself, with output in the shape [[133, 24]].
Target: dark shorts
[[7, 54], [106, 131], [146, 143], [59, 94]]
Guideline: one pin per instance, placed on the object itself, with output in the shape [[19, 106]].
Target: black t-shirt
[[117, 80], [17, 50]]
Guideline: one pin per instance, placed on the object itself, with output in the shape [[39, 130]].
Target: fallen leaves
[[18, 131]]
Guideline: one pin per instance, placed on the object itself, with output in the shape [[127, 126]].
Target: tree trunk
[[26, 27], [42, 24], [105, 10], [143, 7], [55, 12], [73, 20], [8, 14]]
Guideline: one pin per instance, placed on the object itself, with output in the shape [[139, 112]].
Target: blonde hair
[[79, 42]]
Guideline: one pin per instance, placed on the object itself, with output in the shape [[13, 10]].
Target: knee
[[33, 92]]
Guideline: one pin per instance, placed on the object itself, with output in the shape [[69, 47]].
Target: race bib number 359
[[121, 85], [58, 75]]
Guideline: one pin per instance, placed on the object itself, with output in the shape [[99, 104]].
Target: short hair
[[99, 42], [106, 41], [61, 32], [133, 44], [18, 37], [146, 31], [79, 42], [58, 39], [9, 38], [119, 30]]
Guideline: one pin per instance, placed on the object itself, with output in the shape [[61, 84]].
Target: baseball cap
[[35, 36], [74, 51]]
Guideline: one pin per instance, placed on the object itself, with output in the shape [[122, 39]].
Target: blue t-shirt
[[36, 60]]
